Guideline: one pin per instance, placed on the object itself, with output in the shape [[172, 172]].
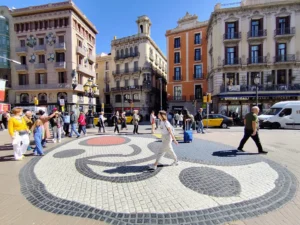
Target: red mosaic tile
[[109, 140]]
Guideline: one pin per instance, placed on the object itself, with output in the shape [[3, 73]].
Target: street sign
[[61, 102]]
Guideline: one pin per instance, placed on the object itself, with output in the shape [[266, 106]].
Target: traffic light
[[209, 97], [204, 99]]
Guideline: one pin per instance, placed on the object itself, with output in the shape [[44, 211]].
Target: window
[[122, 53], [118, 98], [136, 50], [41, 41], [79, 43], [118, 69], [23, 60], [118, 83], [283, 25], [118, 53], [198, 72], [256, 54], [177, 93], [126, 97], [281, 52], [136, 66], [23, 79], [106, 65], [126, 68], [177, 57], [286, 112], [197, 54], [60, 57], [22, 43], [231, 29], [177, 43], [106, 75], [62, 77], [126, 83], [198, 92], [61, 39], [257, 28], [131, 51], [96, 66], [197, 40], [177, 73], [231, 79], [136, 97], [41, 78], [136, 82], [281, 77], [97, 76], [41, 58], [231, 56], [126, 52]]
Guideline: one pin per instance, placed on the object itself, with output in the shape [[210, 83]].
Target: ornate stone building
[[257, 39], [55, 44], [139, 72]]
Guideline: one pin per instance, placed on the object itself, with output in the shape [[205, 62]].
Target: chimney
[[115, 37]]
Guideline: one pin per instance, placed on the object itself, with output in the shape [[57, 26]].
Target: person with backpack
[[81, 123], [198, 119], [167, 137]]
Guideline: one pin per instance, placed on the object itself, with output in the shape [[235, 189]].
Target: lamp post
[[256, 81], [90, 89], [160, 80]]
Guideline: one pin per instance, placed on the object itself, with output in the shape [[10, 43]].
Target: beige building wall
[[254, 10], [52, 30]]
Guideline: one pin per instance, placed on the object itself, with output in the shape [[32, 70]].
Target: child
[[167, 136], [38, 133]]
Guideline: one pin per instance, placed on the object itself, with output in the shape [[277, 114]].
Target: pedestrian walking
[[180, 119], [45, 119], [115, 120], [73, 124], [56, 124], [123, 121], [199, 121], [251, 130], [1, 115], [5, 118], [66, 118], [176, 119], [153, 122], [82, 123], [29, 122], [101, 122], [38, 133], [167, 137], [135, 121], [19, 132]]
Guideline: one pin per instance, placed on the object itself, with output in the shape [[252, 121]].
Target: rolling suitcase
[[187, 134]]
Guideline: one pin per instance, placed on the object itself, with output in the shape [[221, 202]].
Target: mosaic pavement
[[106, 178]]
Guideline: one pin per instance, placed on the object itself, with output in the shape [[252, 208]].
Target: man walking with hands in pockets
[[251, 130]]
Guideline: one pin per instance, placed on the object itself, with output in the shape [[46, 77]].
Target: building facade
[[56, 45], [139, 72], [187, 64], [254, 45], [6, 28], [104, 64]]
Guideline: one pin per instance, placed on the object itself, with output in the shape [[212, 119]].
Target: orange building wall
[[187, 86]]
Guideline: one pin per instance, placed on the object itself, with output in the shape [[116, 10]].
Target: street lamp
[[14, 61], [160, 80], [90, 88], [256, 82]]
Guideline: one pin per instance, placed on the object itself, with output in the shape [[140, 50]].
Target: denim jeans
[[73, 128], [82, 128], [200, 127]]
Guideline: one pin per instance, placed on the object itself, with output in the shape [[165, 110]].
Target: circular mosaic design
[[105, 140], [68, 153], [209, 181], [112, 184]]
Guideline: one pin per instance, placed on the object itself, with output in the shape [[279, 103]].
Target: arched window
[[142, 28], [131, 51], [24, 98], [126, 52], [136, 97], [136, 50], [118, 53], [42, 98], [126, 97], [122, 53], [118, 98]]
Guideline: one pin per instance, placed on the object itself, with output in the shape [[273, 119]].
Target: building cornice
[[67, 5], [137, 37], [179, 29]]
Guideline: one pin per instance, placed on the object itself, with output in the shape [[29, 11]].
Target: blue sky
[[117, 17]]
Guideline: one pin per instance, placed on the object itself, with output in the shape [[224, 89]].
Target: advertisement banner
[[2, 90], [5, 107]]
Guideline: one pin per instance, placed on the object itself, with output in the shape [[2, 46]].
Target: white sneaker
[[54, 140], [175, 163], [59, 141], [152, 167]]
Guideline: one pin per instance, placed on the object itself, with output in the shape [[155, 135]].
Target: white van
[[281, 115]]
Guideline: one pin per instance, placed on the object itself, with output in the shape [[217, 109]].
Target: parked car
[[218, 120]]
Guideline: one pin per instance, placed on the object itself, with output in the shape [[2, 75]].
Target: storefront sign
[[178, 108], [235, 98]]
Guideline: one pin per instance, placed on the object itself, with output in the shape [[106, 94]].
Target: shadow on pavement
[[231, 153], [130, 169], [7, 158], [6, 147]]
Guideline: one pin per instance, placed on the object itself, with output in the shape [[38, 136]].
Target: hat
[[54, 109]]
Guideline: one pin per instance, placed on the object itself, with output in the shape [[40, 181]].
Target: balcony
[[42, 86], [198, 76], [39, 48], [197, 97], [128, 88], [40, 66], [92, 58], [257, 34], [127, 71], [231, 62], [21, 50], [147, 68], [81, 51], [282, 33], [60, 47], [122, 57], [232, 37], [60, 65], [86, 70], [21, 68], [257, 60], [177, 78], [291, 58], [261, 88], [177, 98]]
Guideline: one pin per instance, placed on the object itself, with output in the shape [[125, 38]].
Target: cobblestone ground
[[104, 179]]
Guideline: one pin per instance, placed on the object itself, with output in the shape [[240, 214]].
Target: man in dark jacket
[[198, 119], [73, 122]]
